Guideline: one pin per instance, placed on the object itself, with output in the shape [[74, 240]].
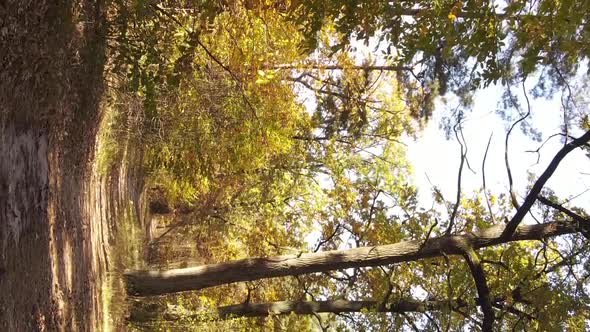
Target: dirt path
[[51, 224]]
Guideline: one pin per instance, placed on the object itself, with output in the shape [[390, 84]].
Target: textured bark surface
[[143, 283], [483, 290], [51, 61], [149, 313], [335, 306]]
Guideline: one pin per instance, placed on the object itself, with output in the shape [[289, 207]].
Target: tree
[[444, 35], [142, 283], [227, 134], [311, 307], [159, 282]]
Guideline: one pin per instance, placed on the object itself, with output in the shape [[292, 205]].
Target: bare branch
[[383, 304], [328, 239], [249, 309], [506, 159], [429, 232], [371, 212], [514, 311], [543, 144], [578, 194], [562, 209], [459, 178], [483, 174], [538, 186], [410, 322]]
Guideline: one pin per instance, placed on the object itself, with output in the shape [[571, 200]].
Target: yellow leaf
[[356, 227]]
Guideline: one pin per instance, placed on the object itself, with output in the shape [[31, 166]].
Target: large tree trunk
[[143, 283]]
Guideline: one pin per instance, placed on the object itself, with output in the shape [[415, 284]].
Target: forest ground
[[52, 254]]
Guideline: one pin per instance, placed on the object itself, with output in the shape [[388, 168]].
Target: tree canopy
[[277, 132]]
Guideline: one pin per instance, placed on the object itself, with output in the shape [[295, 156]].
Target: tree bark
[[483, 290], [144, 283], [339, 306], [147, 314], [151, 313], [334, 306], [319, 66]]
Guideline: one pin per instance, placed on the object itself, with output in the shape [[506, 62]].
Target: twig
[[569, 100], [466, 149], [483, 174], [459, 178], [371, 212], [324, 329], [577, 195], [514, 311], [436, 191], [328, 239], [410, 322], [305, 288], [319, 66], [499, 263], [506, 159], [541, 146], [432, 321], [428, 234], [382, 305]]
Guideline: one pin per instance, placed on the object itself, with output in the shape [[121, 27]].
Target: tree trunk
[[335, 306], [142, 314], [144, 283], [319, 66]]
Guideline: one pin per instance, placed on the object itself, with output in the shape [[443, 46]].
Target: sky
[[436, 158]]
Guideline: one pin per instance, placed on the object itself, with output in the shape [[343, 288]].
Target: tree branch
[[266, 309], [562, 209], [195, 36], [154, 282], [459, 178], [538, 186], [335, 306], [483, 175], [482, 289], [319, 66]]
